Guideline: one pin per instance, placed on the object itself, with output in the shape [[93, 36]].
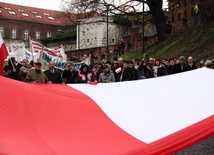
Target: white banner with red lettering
[[45, 54]]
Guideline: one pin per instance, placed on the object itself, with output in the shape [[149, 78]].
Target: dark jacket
[[130, 74], [73, 77], [178, 68], [67, 75], [54, 77], [189, 67], [170, 69]]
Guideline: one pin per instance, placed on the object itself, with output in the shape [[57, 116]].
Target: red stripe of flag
[[3, 54]]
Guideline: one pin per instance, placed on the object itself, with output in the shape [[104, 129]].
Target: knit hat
[[182, 58], [106, 66], [158, 59]]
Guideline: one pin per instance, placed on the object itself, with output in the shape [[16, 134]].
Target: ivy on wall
[[60, 36]]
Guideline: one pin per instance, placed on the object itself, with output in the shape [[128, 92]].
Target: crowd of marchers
[[101, 72]]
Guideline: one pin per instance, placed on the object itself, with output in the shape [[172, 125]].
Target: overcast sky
[[46, 4]]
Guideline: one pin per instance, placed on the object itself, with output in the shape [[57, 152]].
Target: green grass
[[197, 42]]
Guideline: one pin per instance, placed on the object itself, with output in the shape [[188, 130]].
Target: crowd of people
[[100, 72]]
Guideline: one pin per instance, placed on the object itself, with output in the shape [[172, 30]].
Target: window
[[14, 33], [46, 14], [11, 12], [51, 18], [185, 14], [2, 31], [37, 16], [112, 40], [173, 19], [26, 34], [37, 35], [48, 34], [33, 12], [179, 17], [192, 10], [7, 8], [25, 14], [20, 10], [87, 40]]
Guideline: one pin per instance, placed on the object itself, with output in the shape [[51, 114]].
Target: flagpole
[[31, 48]]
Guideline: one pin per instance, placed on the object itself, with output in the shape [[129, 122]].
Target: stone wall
[[93, 32]]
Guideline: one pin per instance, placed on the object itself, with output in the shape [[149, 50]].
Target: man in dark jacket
[[52, 74], [130, 73], [190, 64], [180, 67]]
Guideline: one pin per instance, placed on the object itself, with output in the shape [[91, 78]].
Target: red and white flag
[[118, 70], [85, 119], [3, 54]]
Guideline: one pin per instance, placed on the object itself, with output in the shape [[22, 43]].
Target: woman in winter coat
[[107, 76], [159, 69], [85, 75]]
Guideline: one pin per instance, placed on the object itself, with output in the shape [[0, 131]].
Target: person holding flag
[[3, 54]]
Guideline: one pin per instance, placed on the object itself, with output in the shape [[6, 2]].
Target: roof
[[32, 14]]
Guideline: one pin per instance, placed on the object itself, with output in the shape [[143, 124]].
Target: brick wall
[[30, 26], [181, 14]]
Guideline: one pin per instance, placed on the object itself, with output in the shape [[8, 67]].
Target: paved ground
[[205, 147]]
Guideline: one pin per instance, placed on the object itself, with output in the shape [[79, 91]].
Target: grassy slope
[[197, 42]]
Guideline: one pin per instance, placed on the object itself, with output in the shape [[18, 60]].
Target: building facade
[[18, 23], [92, 38], [183, 14]]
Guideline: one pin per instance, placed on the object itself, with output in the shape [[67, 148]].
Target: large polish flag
[[3, 54], [158, 116]]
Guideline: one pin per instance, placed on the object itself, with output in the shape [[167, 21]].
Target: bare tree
[[79, 9], [88, 8]]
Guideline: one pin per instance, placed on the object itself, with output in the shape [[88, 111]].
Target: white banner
[[18, 51], [45, 55], [28, 55], [37, 47], [45, 58]]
